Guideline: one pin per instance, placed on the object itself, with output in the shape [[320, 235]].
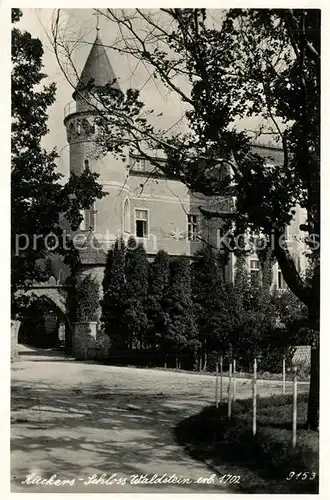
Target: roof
[[91, 252], [97, 70]]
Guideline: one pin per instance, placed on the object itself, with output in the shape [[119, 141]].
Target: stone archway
[[54, 294]]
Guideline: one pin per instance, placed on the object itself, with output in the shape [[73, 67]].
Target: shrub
[[114, 293], [87, 299]]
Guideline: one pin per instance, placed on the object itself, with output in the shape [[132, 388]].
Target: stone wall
[[89, 342]]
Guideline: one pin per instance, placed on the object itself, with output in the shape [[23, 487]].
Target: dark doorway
[[43, 325]]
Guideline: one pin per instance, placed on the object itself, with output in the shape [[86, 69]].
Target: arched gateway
[[56, 295]]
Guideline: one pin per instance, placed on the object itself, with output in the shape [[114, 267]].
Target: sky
[[80, 24]]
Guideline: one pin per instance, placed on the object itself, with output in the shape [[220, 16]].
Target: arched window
[[127, 215], [86, 164]]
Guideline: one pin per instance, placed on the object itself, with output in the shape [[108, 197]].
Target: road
[[80, 420]]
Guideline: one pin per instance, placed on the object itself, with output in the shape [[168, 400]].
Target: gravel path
[[82, 420]]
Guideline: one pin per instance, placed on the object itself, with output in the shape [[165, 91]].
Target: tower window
[[89, 219], [141, 223], [86, 164], [255, 272], [192, 227]]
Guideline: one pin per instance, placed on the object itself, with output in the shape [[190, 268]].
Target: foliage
[[158, 281], [210, 297], [259, 334], [293, 316], [114, 293], [136, 271], [177, 309], [247, 63], [87, 299], [38, 200], [180, 323]]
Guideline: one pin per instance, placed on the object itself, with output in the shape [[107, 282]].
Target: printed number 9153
[[303, 476]]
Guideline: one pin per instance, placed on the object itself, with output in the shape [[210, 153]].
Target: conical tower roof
[[97, 71]]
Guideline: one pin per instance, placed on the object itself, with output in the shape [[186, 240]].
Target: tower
[[104, 221], [106, 218]]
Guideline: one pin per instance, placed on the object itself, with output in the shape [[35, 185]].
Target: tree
[[38, 200], [87, 299], [249, 63], [209, 294], [136, 271], [159, 271], [293, 317], [114, 294], [180, 323]]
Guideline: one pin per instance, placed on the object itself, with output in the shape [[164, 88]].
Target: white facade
[[162, 213]]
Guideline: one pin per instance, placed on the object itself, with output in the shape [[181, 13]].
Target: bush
[[87, 299]]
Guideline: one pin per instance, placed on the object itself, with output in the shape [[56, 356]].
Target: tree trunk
[[314, 388]]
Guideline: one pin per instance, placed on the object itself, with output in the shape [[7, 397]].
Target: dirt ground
[[80, 421]]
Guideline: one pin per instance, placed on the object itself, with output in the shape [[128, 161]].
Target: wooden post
[[234, 380], [216, 384], [283, 384], [229, 390], [294, 408], [221, 383], [254, 399]]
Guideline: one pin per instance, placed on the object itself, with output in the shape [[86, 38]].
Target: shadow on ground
[[81, 431], [210, 438]]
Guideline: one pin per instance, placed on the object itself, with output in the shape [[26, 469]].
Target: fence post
[[283, 369], [229, 390], [234, 380], [294, 408], [221, 386], [216, 384], [254, 398]]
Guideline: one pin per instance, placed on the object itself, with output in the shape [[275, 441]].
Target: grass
[[248, 375], [263, 461]]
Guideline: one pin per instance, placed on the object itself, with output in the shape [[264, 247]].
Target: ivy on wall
[[87, 299]]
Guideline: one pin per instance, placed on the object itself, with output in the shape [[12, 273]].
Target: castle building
[[141, 201]]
